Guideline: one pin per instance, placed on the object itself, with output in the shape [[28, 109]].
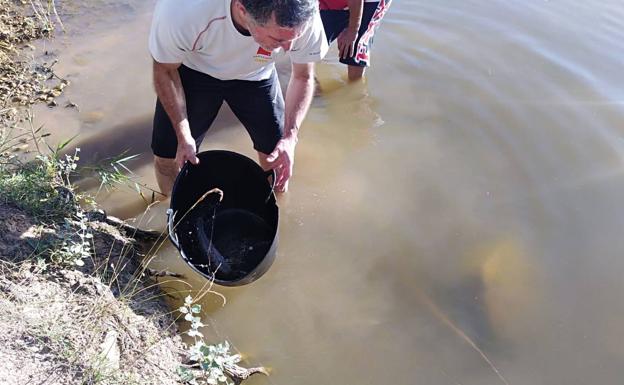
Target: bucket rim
[[264, 264]]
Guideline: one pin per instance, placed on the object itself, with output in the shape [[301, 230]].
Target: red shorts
[[335, 21]]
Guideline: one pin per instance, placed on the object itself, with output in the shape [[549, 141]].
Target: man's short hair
[[288, 13]]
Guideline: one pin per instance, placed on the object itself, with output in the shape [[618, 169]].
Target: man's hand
[[282, 160], [186, 151], [347, 38], [171, 94], [298, 99], [346, 42]]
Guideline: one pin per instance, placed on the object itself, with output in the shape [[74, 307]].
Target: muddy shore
[[78, 304], [101, 321]]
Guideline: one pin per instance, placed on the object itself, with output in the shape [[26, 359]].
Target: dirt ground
[[24, 81], [101, 323], [67, 326]]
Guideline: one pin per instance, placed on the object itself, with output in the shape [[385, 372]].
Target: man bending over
[[209, 51]]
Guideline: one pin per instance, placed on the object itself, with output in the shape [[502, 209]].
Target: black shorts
[[335, 21], [258, 105]]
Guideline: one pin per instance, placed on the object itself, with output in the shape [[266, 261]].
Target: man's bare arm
[[346, 39], [298, 98], [171, 95]]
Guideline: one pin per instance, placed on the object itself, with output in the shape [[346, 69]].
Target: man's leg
[[166, 171], [259, 105], [203, 101], [355, 73], [371, 18], [164, 146]]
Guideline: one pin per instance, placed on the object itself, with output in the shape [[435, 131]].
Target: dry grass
[[63, 324], [67, 326]]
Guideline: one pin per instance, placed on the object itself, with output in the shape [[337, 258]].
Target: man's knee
[[166, 166], [166, 172]]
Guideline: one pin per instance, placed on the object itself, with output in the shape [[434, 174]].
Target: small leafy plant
[[39, 187], [211, 361], [76, 241], [43, 189]]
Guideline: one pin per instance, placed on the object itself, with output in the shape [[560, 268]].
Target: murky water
[[458, 220]]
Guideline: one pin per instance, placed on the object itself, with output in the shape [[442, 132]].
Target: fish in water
[[216, 261], [201, 220]]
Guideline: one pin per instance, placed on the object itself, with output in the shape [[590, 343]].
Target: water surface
[[464, 204]]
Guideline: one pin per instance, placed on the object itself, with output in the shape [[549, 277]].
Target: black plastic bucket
[[223, 217]]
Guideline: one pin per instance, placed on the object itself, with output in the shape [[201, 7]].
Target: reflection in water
[[127, 138], [481, 219]]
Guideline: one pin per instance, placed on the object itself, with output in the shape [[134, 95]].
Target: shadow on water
[[131, 138], [128, 138], [468, 313]]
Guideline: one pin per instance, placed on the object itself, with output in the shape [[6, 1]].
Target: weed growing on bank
[[42, 188], [39, 187], [95, 343], [65, 316], [210, 361]]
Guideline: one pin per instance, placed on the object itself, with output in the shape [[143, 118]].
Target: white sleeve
[[312, 45], [167, 40]]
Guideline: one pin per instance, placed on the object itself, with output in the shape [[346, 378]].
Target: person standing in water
[[209, 51], [353, 24]]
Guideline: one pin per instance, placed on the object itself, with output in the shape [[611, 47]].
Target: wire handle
[[271, 174], [171, 215], [172, 235]]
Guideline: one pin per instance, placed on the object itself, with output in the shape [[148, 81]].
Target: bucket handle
[[172, 235], [271, 173], [171, 215]]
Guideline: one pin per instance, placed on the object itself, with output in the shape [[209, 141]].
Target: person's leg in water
[[336, 21], [166, 171], [203, 101], [259, 105], [355, 73], [372, 14]]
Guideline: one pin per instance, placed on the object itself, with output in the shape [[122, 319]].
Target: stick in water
[[442, 317]]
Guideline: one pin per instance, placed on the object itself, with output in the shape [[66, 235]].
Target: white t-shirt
[[201, 35]]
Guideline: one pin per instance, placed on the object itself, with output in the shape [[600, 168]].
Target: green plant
[[43, 189], [113, 172], [39, 187], [212, 360], [75, 241]]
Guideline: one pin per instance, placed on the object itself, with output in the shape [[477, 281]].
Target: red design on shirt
[[262, 51]]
